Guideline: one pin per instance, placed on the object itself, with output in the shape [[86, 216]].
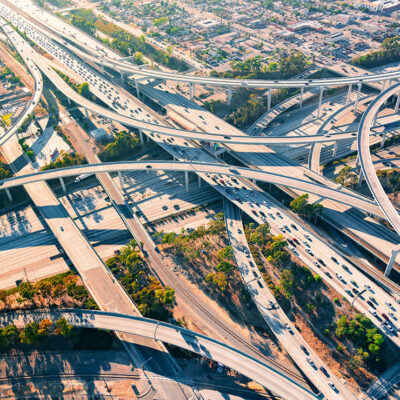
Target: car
[[149, 166], [373, 299], [254, 274], [254, 212], [355, 290], [315, 262], [321, 262], [340, 277], [287, 326], [295, 240], [308, 237], [164, 207], [370, 303], [334, 260], [239, 231], [387, 325], [311, 362], [61, 229], [304, 350], [271, 304], [310, 252], [282, 229], [332, 386], [294, 227], [385, 316], [328, 275], [354, 283], [259, 284], [348, 291], [324, 371], [373, 312], [346, 268], [279, 215], [368, 287], [306, 243], [389, 304]]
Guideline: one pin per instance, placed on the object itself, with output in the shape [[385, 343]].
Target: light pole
[[358, 295]]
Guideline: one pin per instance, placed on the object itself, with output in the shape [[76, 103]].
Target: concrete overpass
[[177, 336]]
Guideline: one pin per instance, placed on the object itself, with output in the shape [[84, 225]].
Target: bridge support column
[[86, 113], [137, 88], [335, 147], [360, 177], [374, 120], [69, 100], [357, 97], [141, 136], [187, 180], [383, 86], [349, 93], [392, 259], [301, 96], [62, 183], [8, 193], [396, 108], [357, 161], [121, 180], [111, 125], [229, 95], [383, 139], [199, 181], [269, 98], [122, 77], [321, 93], [191, 90]]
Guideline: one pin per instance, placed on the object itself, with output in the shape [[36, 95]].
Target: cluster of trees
[[83, 89], [299, 274], [152, 299], [55, 287], [347, 177], [7, 74], [301, 206], [252, 68], [249, 112], [182, 244], [65, 160], [389, 53], [224, 268], [55, 3], [4, 171], [33, 332], [362, 333], [390, 180], [123, 41], [123, 146]]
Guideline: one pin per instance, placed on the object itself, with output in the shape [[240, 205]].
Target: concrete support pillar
[[396, 108], [187, 180], [191, 90], [137, 88], [269, 98], [301, 96], [141, 136], [111, 124], [8, 193], [349, 93], [383, 86], [62, 184], [359, 85], [102, 68], [229, 95], [199, 182], [335, 147], [69, 100], [383, 139], [374, 120], [357, 161], [392, 259], [321, 93], [121, 180], [86, 113], [122, 77], [360, 177]]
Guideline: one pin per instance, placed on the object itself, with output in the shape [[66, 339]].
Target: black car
[[334, 260], [259, 284], [325, 372], [304, 350], [370, 303], [321, 262]]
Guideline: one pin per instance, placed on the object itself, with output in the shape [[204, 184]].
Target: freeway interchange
[[128, 111]]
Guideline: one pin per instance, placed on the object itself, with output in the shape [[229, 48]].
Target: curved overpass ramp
[[177, 336], [367, 165], [344, 197]]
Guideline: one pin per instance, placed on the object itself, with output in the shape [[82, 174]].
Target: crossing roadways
[[198, 167], [177, 336]]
